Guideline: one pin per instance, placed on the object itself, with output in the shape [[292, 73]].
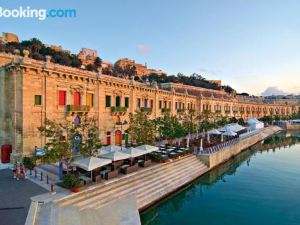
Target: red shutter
[[76, 98], [62, 98]]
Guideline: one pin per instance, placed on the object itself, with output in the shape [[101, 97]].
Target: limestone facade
[[31, 91]]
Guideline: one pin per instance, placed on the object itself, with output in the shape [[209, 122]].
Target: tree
[[98, 62], [170, 128], [141, 130], [64, 138]]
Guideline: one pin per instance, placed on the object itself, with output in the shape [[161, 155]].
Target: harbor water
[[259, 186]]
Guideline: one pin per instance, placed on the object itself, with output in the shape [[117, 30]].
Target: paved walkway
[[15, 198]]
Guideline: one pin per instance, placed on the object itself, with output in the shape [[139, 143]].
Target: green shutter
[[126, 102], [37, 100], [108, 101]]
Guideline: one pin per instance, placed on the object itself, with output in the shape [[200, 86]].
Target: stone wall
[[213, 160]]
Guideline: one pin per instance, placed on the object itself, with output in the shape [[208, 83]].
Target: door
[[76, 98], [118, 137]]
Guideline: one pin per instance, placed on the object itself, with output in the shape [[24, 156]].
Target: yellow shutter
[[90, 100]]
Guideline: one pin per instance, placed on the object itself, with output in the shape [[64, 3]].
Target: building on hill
[[58, 48], [9, 37], [216, 82], [140, 68], [87, 56], [32, 90]]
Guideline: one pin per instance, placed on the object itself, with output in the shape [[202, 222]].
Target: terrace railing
[[77, 108]]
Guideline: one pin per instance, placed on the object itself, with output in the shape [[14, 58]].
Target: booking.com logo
[[40, 14]]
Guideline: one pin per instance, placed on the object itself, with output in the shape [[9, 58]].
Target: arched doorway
[[118, 137], [108, 141]]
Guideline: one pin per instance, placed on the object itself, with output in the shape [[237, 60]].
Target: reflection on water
[[257, 186]]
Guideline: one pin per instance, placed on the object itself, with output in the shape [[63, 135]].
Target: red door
[[76, 98], [108, 140], [5, 153]]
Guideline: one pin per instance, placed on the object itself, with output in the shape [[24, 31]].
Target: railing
[[219, 147], [146, 109], [192, 110], [165, 110], [77, 108], [118, 109], [180, 110]]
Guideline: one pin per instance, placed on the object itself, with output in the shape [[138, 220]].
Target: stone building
[[31, 91], [9, 37], [140, 68], [87, 56]]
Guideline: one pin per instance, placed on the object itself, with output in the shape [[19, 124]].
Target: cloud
[[143, 49], [273, 91]]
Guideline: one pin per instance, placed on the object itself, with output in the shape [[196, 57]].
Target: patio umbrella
[[147, 148], [91, 163], [214, 131], [229, 133], [133, 152], [108, 149], [115, 156]]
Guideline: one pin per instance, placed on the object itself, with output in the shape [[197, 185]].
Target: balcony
[[77, 108], [165, 110], [227, 111], [192, 110], [180, 110], [118, 110], [146, 110]]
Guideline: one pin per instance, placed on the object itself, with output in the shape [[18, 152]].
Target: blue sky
[[250, 45]]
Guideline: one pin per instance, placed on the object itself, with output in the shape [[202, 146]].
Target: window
[[139, 103], [126, 102], [107, 101], [165, 104], [151, 103], [90, 100], [169, 105], [160, 104], [118, 101], [61, 98], [37, 100], [77, 99], [145, 103], [176, 105]]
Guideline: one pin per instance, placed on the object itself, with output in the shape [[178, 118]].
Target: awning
[[133, 152], [214, 131], [147, 148], [229, 133], [91, 163], [116, 156], [108, 149]]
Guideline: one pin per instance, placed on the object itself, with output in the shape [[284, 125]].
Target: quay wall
[[293, 126], [217, 158]]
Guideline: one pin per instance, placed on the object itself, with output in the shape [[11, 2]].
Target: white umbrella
[[214, 131], [133, 152], [229, 133], [147, 148], [91, 163], [115, 156], [108, 149]]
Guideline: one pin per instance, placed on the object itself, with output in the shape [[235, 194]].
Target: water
[[257, 187]]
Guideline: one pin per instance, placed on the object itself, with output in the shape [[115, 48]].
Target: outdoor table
[[85, 179]]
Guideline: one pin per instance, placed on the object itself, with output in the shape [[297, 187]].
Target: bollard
[[47, 179], [41, 176], [35, 173], [52, 189]]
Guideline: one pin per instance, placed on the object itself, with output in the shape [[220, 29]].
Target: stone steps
[[119, 183], [144, 186], [148, 185]]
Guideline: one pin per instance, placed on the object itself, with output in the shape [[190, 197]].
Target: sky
[[251, 45]]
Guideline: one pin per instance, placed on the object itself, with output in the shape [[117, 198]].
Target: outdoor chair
[[111, 174], [97, 178]]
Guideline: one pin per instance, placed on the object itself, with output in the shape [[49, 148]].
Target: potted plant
[[72, 182], [29, 162]]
